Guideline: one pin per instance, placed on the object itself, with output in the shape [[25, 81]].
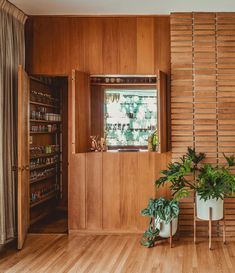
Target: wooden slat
[[203, 96]]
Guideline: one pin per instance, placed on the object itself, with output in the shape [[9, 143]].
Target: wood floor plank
[[78, 253]]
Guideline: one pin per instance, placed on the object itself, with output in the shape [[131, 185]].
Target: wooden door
[[81, 112], [162, 111], [23, 156]]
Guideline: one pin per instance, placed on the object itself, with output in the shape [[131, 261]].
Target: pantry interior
[[47, 151]]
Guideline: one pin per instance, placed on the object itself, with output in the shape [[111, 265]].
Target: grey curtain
[[12, 53]]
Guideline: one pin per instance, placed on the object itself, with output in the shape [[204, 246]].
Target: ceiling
[[122, 7]]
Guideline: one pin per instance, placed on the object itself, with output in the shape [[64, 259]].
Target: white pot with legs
[[165, 227], [203, 208]]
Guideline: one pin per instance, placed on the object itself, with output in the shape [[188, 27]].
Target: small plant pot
[[203, 208], [165, 228]]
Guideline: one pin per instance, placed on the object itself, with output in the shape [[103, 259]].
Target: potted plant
[[161, 212], [210, 184]]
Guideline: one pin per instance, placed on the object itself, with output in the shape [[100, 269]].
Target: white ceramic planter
[[203, 208], [165, 228]]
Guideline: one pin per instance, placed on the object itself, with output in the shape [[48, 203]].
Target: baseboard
[[104, 232]]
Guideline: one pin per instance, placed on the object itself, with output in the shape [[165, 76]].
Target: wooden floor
[[106, 254]]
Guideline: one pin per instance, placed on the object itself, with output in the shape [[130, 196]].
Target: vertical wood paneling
[[120, 45], [77, 44], [162, 44], [129, 169], [127, 45], [202, 114], [93, 45], [111, 191], [112, 188], [77, 195], [110, 46], [145, 45], [145, 184], [94, 187]]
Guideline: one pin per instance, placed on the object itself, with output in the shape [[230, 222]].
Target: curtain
[[12, 53]]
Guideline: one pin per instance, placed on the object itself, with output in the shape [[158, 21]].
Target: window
[[130, 116]]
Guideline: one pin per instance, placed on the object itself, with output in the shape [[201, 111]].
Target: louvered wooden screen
[[203, 96]]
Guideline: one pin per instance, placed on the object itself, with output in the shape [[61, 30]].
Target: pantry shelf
[[42, 178], [44, 199], [44, 104], [44, 166], [44, 121]]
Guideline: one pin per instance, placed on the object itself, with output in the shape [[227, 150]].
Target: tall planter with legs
[[211, 184]]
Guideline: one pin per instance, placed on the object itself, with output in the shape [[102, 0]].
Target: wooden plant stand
[[196, 219], [170, 239]]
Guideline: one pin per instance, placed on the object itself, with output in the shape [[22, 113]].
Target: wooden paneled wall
[[203, 93], [111, 190], [106, 191], [98, 45]]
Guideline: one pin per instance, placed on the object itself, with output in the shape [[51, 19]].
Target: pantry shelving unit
[[45, 125]]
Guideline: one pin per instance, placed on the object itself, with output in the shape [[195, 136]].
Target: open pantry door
[[23, 156], [81, 112]]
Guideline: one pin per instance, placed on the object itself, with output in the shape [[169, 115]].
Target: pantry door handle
[[26, 168]]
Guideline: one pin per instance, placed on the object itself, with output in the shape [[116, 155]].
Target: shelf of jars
[[43, 104], [45, 147], [116, 80], [38, 167], [44, 121], [43, 99], [43, 129], [44, 150], [38, 198], [45, 155]]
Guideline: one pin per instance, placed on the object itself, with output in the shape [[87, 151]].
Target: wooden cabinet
[[100, 83], [42, 148], [109, 189]]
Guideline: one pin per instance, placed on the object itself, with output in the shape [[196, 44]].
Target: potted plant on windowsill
[[210, 184], [161, 212]]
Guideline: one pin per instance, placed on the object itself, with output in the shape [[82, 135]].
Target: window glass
[[130, 116]]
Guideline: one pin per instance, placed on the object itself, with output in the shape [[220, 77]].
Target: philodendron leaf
[[182, 193], [230, 160]]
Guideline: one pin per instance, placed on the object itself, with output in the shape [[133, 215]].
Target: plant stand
[[196, 219], [170, 239]]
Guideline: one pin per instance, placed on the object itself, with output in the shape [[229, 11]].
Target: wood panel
[[77, 192], [98, 45], [81, 108], [112, 188], [111, 191], [94, 187], [202, 114]]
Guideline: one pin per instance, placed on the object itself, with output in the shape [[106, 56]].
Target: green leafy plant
[[160, 209], [215, 182], [178, 172], [209, 181]]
